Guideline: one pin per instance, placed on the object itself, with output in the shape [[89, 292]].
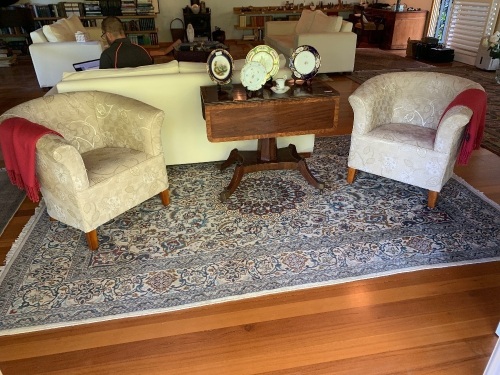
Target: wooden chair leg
[[432, 199], [92, 239], [165, 197], [351, 174]]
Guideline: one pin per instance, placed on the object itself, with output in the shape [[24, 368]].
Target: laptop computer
[[86, 65]]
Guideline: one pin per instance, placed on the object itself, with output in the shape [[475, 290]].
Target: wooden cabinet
[[399, 26], [201, 24]]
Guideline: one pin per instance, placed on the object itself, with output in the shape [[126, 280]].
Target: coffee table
[[231, 116]]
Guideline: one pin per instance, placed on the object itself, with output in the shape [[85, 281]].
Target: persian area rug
[[377, 59], [491, 140], [275, 233], [11, 197]]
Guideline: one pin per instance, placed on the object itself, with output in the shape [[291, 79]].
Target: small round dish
[[267, 56], [280, 91], [220, 66], [253, 75], [305, 62]]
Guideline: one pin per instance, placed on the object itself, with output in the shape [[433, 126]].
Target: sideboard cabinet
[[399, 26]]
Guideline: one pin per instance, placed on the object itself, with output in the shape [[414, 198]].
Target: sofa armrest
[[280, 27], [50, 60], [60, 165]]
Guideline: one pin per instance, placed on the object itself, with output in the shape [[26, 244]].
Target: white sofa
[[54, 49], [331, 36], [174, 87]]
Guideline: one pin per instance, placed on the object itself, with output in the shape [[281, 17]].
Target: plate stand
[[302, 82]]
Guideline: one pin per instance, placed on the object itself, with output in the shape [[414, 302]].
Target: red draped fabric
[[18, 138]]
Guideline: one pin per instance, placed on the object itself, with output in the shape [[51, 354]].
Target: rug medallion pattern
[[275, 233]]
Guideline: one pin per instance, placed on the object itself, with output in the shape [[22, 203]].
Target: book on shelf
[[243, 21]]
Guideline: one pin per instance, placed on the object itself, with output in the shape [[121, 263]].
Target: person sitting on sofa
[[121, 53]]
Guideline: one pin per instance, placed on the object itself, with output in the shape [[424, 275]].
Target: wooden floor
[[439, 321]]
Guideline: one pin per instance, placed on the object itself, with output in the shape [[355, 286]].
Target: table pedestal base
[[267, 157]]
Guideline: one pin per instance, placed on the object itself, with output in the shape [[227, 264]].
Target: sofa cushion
[[346, 27], [305, 21], [171, 67], [75, 24], [325, 24], [59, 32], [38, 36]]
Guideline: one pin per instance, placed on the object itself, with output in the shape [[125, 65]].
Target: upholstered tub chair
[[109, 160], [395, 132]]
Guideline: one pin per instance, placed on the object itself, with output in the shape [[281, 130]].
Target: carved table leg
[[235, 181], [304, 169], [234, 156]]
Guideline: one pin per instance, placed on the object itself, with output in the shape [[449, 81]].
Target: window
[[467, 23]]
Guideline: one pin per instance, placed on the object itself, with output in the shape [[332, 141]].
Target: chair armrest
[[280, 27], [130, 123], [450, 129], [60, 165], [371, 108]]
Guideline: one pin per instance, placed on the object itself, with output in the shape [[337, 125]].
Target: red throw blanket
[[18, 138], [474, 99]]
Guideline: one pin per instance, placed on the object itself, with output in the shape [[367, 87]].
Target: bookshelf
[[138, 16]]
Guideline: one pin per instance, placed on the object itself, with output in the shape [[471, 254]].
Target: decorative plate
[[305, 62], [267, 56], [253, 75], [220, 66]]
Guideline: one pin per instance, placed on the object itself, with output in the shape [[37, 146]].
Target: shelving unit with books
[[16, 23]]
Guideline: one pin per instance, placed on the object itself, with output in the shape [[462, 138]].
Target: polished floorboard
[[438, 321]]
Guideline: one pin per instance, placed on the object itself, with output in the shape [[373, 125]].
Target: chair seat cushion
[[412, 135], [107, 162]]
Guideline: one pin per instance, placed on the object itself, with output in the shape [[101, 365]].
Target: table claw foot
[[224, 196]]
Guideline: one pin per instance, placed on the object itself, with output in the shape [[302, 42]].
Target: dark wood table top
[[230, 113], [214, 95]]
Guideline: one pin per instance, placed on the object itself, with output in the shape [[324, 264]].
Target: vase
[[497, 75]]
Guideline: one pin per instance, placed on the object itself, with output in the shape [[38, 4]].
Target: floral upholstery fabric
[[110, 159], [398, 131]]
